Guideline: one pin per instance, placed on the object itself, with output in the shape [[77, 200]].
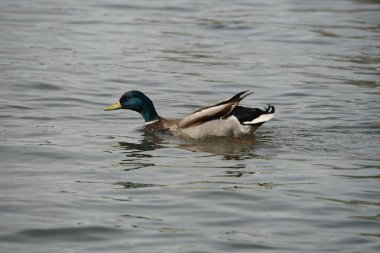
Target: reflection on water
[[230, 148], [150, 141], [131, 185]]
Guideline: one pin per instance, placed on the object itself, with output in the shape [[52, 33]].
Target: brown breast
[[162, 124]]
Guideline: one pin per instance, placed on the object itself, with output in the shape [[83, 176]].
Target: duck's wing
[[252, 116], [217, 111]]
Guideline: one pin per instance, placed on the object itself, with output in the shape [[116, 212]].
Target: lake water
[[74, 178]]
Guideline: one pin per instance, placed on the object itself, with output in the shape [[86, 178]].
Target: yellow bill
[[115, 106]]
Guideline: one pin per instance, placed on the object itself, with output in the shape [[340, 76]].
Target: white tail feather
[[262, 118]]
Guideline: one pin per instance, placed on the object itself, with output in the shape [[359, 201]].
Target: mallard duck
[[225, 118]]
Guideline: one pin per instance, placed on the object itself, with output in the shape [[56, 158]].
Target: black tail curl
[[269, 109]]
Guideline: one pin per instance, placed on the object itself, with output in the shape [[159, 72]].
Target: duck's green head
[[136, 101]]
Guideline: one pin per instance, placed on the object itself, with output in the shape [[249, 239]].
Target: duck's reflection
[[149, 151], [230, 148], [136, 155], [150, 141]]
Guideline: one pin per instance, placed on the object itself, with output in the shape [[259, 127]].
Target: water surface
[[74, 178]]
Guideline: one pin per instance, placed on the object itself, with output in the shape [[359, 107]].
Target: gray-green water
[[74, 178]]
